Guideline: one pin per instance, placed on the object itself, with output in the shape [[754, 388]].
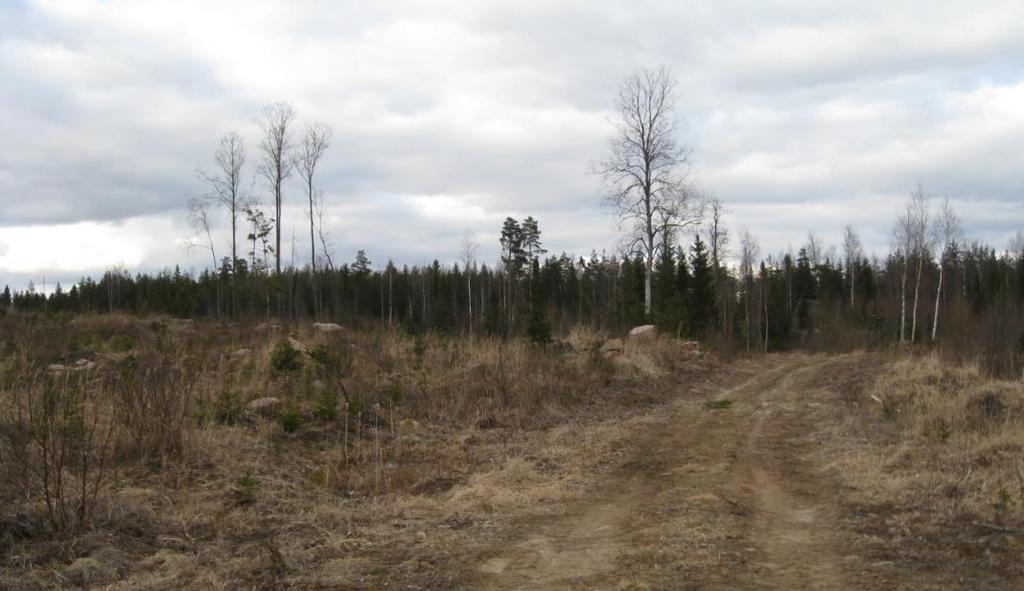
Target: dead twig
[[999, 528]]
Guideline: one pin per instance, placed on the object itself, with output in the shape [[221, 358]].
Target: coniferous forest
[[969, 297]]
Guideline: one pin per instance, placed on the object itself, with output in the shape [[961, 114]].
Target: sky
[[450, 116]]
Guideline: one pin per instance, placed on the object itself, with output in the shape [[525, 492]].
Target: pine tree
[[703, 311], [5, 297]]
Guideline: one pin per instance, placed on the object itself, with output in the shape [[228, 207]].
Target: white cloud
[[450, 116]]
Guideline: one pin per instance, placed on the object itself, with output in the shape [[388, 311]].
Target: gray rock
[[266, 406], [643, 331]]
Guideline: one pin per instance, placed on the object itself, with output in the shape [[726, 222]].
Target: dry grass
[[433, 440], [936, 450]]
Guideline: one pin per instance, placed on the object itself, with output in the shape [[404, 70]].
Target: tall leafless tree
[[1015, 247], [912, 242], [276, 162], [202, 237], [852, 253], [945, 230], [467, 254], [646, 172], [749, 252], [718, 243], [815, 249], [717, 234], [314, 143], [225, 183]]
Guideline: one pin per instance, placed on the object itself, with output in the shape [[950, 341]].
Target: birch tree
[[911, 241], [852, 253], [314, 143], [645, 174], [749, 252], [945, 230], [276, 162], [225, 183], [202, 237], [467, 254]]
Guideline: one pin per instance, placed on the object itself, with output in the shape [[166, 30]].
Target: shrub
[[227, 408], [326, 406], [56, 437], [121, 343], [154, 403], [396, 392], [290, 418], [285, 358], [325, 357], [244, 491]]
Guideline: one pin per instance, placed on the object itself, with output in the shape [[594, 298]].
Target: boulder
[[643, 331], [80, 365], [612, 346], [266, 406], [297, 345], [327, 327], [83, 365], [87, 572]]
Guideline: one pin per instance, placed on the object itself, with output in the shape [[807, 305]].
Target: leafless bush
[[56, 436], [154, 407]]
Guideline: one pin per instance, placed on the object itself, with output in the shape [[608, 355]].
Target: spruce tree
[[538, 328], [683, 292], [664, 289], [703, 312]]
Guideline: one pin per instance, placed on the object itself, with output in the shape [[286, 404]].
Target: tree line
[[671, 269]]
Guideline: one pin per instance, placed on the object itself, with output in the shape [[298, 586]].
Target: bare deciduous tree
[[467, 254], [225, 183], [945, 230], [911, 238], [749, 252], [326, 245], [646, 172], [199, 220], [1016, 245], [276, 163], [717, 234], [718, 242], [314, 143], [815, 248], [852, 253]]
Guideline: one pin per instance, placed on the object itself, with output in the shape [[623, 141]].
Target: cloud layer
[[449, 116]]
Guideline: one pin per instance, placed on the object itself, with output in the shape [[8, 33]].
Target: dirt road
[[722, 492]]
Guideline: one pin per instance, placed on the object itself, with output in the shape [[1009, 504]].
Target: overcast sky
[[449, 116]]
